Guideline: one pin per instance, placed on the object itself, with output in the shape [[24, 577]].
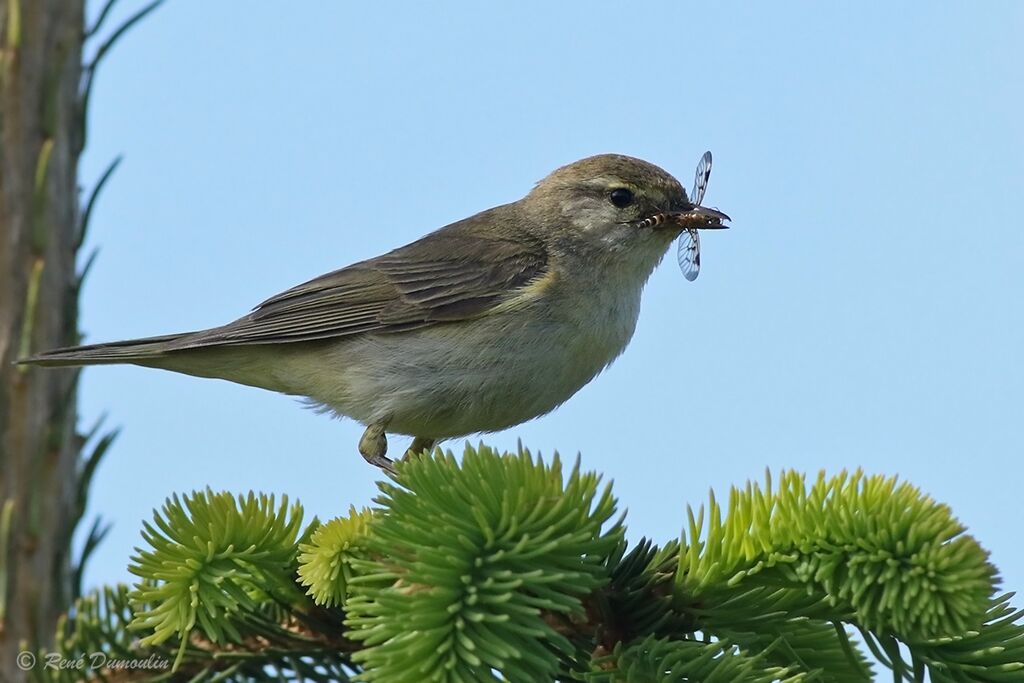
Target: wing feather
[[457, 273]]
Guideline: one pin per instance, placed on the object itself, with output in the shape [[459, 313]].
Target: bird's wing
[[457, 276]]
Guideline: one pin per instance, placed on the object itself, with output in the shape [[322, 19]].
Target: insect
[[688, 253]]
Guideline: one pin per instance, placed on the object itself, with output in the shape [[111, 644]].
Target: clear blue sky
[[865, 310]]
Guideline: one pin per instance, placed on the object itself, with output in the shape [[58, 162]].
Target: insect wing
[[700, 179], [689, 254]]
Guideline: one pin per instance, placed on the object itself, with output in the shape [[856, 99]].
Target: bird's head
[[617, 204]]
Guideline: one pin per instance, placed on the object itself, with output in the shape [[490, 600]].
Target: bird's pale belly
[[448, 381]]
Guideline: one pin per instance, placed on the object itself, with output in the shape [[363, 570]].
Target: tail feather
[[126, 351]]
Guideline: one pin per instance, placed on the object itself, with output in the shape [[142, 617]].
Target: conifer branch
[[504, 567]]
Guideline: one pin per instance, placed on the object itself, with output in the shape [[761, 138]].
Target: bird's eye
[[621, 197]]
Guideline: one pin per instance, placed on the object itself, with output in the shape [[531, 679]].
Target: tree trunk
[[41, 136]]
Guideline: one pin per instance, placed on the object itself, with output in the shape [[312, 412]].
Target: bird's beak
[[702, 218]]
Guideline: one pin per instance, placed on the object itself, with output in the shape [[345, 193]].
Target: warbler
[[481, 325]]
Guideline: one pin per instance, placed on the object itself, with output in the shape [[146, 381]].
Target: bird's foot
[[373, 446], [419, 446]]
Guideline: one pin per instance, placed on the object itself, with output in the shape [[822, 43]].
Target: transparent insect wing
[[688, 254], [689, 241], [700, 179]]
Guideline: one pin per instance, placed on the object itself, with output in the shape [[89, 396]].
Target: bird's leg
[[419, 446], [373, 446]]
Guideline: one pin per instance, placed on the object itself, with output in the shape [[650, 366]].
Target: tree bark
[[41, 137]]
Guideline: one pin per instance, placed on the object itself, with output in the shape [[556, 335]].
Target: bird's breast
[[594, 323]]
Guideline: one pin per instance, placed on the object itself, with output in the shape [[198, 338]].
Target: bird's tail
[[127, 351]]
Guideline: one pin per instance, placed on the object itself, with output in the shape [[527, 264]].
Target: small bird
[[481, 325]]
